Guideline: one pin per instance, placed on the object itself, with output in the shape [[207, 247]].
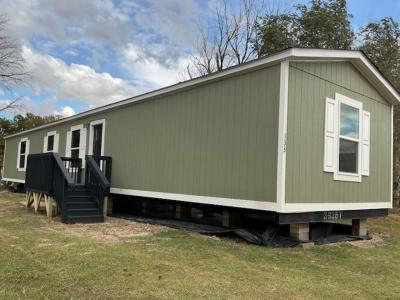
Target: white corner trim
[[91, 125], [282, 134], [391, 155], [250, 204], [311, 207], [4, 160], [13, 180]]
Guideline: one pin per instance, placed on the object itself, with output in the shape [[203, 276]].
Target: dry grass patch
[[112, 230]]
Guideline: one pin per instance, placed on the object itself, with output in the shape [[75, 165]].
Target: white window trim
[[344, 176], [26, 153], [56, 141], [91, 136], [82, 142]]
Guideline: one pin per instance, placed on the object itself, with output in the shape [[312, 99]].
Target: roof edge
[[357, 57]]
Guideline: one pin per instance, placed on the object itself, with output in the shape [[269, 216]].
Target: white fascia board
[[359, 60], [260, 63], [13, 180], [230, 202], [356, 57]]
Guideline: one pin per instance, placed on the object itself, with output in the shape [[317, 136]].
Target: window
[[23, 152], [349, 138], [50, 143], [76, 143], [346, 139]]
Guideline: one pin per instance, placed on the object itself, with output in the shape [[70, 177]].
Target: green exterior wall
[[218, 139], [309, 85]]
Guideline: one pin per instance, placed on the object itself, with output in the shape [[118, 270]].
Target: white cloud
[[66, 111], [149, 72], [74, 81]]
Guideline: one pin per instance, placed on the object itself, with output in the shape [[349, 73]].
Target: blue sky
[[83, 54]]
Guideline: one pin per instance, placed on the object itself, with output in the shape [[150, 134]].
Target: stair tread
[[84, 209]]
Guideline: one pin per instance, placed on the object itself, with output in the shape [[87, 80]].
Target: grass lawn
[[41, 258]]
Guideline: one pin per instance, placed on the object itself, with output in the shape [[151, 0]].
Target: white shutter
[[19, 153], [68, 145], [45, 141], [82, 145], [26, 153], [365, 141], [56, 141], [330, 135]]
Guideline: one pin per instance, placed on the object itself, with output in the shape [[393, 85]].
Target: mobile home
[[305, 134]]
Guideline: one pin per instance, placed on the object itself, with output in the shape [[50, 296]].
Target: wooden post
[[300, 231], [29, 198], [49, 206], [230, 217], [182, 211], [144, 206], [105, 206], [36, 201], [359, 227]]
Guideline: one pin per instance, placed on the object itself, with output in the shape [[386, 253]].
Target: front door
[[97, 140]]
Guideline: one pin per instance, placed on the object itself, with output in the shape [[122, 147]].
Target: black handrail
[[74, 168], [46, 173], [96, 181]]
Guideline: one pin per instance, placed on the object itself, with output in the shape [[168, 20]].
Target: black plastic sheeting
[[273, 235]]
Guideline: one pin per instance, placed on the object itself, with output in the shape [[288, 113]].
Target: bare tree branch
[[13, 105], [12, 66], [229, 41]]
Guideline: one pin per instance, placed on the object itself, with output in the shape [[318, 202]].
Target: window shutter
[[45, 144], [19, 153], [82, 146], [365, 141], [56, 141], [27, 152], [68, 145], [330, 148]]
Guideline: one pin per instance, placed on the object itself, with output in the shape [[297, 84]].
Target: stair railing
[[74, 168], [47, 174], [96, 181]]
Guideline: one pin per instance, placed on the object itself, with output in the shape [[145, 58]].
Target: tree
[[323, 24], [228, 40], [18, 124], [381, 43], [12, 69]]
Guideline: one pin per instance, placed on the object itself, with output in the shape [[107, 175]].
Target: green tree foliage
[[20, 123], [321, 24], [381, 43]]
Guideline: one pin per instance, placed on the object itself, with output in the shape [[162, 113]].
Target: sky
[[82, 54]]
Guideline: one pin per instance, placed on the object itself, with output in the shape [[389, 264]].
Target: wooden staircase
[[82, 207], [59, 178]]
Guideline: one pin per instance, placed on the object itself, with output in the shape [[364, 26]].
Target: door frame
[[91, 136]]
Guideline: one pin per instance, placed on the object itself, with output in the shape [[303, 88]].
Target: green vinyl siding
[[218, 139], [309, 85]]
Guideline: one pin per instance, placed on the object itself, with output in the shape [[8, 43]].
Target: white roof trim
[[359, 60]]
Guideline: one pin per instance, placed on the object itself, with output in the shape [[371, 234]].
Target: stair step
[[83, 211], [85, 219], [82, 204], [78, 193], [80, 198]]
